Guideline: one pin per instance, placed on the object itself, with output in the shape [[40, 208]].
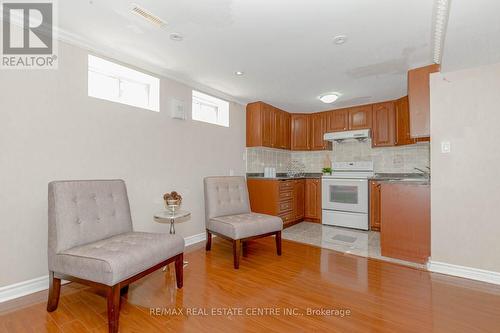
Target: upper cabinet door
[[419, 101], [254, 125], [282, 129], [384, 124], [277, 138], [267, 126], [300, 132], [360, 117], [403, 122], [268, 122], [317, 130], [337, 120], [287, 129]]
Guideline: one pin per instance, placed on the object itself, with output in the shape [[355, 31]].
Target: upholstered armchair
[[91, 241], [228, 215]]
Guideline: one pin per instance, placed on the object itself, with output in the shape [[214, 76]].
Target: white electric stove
[[345, 195]]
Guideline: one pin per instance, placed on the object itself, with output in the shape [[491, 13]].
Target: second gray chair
[[228, 215]]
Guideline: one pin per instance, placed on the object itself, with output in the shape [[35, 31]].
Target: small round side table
[[167, 216]]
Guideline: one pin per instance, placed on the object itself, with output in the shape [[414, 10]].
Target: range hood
[[360, 135]]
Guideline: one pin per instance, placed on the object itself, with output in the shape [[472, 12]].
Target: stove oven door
[[348, 195]]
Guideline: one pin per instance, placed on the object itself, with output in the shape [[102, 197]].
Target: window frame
[[220, 105], [150, 83]]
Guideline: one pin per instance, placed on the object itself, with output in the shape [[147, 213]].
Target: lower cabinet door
[[375, 206], [298, 199], [313, 200]]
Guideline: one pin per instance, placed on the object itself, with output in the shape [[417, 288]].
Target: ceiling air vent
[[153, 19]]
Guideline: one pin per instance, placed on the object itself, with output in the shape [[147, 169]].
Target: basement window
[[210, 109], [120, 84]]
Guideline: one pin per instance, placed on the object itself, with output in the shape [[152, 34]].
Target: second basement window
[[210, 109]]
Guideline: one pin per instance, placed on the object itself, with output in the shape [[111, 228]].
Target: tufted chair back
[[225, 196], [85, 211]]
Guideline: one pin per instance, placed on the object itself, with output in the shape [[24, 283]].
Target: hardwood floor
[[381, 297]]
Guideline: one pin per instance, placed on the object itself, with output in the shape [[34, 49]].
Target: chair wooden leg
[[208, 247], [244, 245], [54, 292], [113, 308], [236, 252], [124, 291], [278, 243], [179, 270]]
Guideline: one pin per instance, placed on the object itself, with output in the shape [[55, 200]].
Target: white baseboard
[[42, 283], [24, 288], [195, 239], [464, 272]]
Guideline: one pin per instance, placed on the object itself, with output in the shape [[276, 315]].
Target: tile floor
[[357, 242]]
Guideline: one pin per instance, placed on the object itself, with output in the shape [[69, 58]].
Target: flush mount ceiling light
[[239, 73], [441, 13], [329, 97], [176, 36], [145, 14], [340, 39]]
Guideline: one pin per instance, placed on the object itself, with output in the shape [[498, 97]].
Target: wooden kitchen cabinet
[[313, 200], [318, 129], [292, 199], [283, 198], [259, 125], [298, 199], [281, 129], [286, 130], [300, 131], [360, 117], [405, 214], [375, 218], [402, 114], [267, 126], [419, 100], [384, 125], [337, 120]]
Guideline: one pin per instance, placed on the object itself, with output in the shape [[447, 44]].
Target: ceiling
[[473, 34], [284, 47]]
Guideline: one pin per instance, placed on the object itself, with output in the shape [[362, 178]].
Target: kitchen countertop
[[403, 178], [283, 176]]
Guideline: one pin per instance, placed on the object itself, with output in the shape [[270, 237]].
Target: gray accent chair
[[91, 241], [228, 215]]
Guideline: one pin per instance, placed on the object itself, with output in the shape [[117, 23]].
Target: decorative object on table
[[327, 171], [295, 169], [172, 200]]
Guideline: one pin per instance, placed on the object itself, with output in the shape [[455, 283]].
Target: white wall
[[50, 129], [465, 183]]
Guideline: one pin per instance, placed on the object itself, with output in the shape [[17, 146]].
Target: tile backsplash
[[401, 159], [387, 159]]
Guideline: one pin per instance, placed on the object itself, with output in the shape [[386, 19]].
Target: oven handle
[[344, 180]]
